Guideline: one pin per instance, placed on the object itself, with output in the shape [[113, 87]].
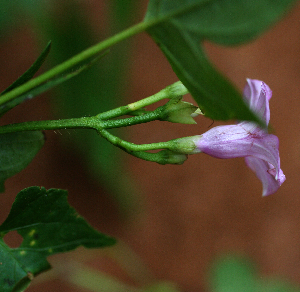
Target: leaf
[[23, 79], [31, 71], [179, 27], [16, 152], [232, 273], [48, 226], [216, 97], [46, 86], [228, 22]]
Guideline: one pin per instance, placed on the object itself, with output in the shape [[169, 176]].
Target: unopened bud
[[176, 89], [186, 145], [170, 157], [178, 111]]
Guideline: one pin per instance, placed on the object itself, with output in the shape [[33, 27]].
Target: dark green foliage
[[48, 225], [31, 71], [23, 79], [179, 27], [16, 152], [233, 273]]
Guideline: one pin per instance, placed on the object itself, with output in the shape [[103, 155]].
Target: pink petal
[[246, 139], [237, 141], [266, 175]]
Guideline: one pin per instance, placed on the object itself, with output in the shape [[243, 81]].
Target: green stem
[[148, 117], [101, 120], [128, 146], [82, 123], [77, 59], [85, 122], [166, 156], [163, 157], [174, 90]]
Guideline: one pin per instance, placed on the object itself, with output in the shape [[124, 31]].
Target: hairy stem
[[163, 157], [128, 146], [174, 90], [84, 122]]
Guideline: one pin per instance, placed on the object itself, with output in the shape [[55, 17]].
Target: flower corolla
[[247, 139]]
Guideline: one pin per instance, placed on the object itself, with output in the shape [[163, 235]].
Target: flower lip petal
[[265, 175]]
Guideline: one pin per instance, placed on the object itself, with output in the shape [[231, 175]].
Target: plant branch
[[76, 60], [174, 90], [84, 122], [128, 146]]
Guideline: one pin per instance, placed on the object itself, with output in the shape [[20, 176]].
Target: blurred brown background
[[188, 214]]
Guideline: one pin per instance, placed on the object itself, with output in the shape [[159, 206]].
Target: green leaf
[[48, 226], [46, 86], [228, 22], [216, 97], [179, 27], [16, 152], [23, 79], [233, 273], [31, 71]]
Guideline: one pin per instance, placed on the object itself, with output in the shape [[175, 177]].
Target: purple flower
[[247, 139]]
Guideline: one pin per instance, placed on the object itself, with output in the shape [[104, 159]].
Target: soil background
[[189, 214]]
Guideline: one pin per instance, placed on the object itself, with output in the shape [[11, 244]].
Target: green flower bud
[[170, 157], [176, 89], [178, 111], [185, 145]]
